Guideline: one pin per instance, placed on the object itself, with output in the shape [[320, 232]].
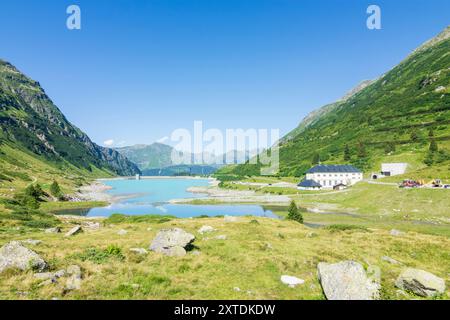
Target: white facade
[[330, 179], [393, 169]]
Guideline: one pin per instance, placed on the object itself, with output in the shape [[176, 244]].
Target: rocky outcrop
[[420, 282], [14, 255], [347, 280], [172, 242]]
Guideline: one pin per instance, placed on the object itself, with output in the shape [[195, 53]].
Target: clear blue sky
[[139, 69]]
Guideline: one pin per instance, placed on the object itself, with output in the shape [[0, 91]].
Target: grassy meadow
[[247, 265]]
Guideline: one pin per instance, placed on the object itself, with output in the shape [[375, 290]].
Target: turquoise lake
[[151, 196]]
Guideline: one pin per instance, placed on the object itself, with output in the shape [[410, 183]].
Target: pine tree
[[431, 133], [361, 150], [316, 159], [55, 190], [294, 214], [433, 146], [347, 155], [390, 147]]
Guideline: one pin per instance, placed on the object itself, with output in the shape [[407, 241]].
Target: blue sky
[[140, 69]]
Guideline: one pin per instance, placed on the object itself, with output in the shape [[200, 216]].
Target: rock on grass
[[347, 280], [75, 230], [172, 242], [422, 283], [14, 255]]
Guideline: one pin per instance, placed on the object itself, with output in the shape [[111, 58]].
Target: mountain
[[315, 115], [32, 124], [156, 155], [402, 116]]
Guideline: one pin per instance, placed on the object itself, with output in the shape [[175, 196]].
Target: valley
[[82, 221]]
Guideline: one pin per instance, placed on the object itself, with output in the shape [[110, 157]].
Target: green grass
[[64, 205], [253, 258], [121, 218]]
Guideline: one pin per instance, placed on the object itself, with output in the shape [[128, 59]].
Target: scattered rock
[[439, 89], [230, 219], [396, 233], [291, 281], [237, 289], [73, 283], [221, 237], [196, 253], [74, 270], [75, 230], [44, 275], [92, 225], [149, 229], [390, 260], [60, 273], [312, 235], [53, 230], [49, 277], [122, 232], [347, 280], [15, 255], [420, 282], [74, 280], [47, 282], [172, 242], [139, 251], [32, 242], [205, 229]]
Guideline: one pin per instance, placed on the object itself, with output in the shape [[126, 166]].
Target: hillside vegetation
[[31, 123], [404, 112]]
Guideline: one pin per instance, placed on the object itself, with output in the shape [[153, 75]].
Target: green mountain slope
[[396, 118], [32, 124]]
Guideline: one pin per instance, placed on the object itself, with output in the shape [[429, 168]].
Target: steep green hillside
[[402, 116], [32, 124]]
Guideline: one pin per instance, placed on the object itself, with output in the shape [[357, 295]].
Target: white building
[[393, 169], [329, 176]]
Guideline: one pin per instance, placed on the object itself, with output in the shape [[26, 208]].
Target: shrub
[[100, 256], [40, 224], [345, 227], [294, 213], [55, 190]]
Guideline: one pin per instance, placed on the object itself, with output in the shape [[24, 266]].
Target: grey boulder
[[172, 242], [420, 282], [14, 255], [347, 280], [53, 230], [73, 282], [75, 230]]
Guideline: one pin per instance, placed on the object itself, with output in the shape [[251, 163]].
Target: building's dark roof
[[340, 185], [333, 168], [309, 184]]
